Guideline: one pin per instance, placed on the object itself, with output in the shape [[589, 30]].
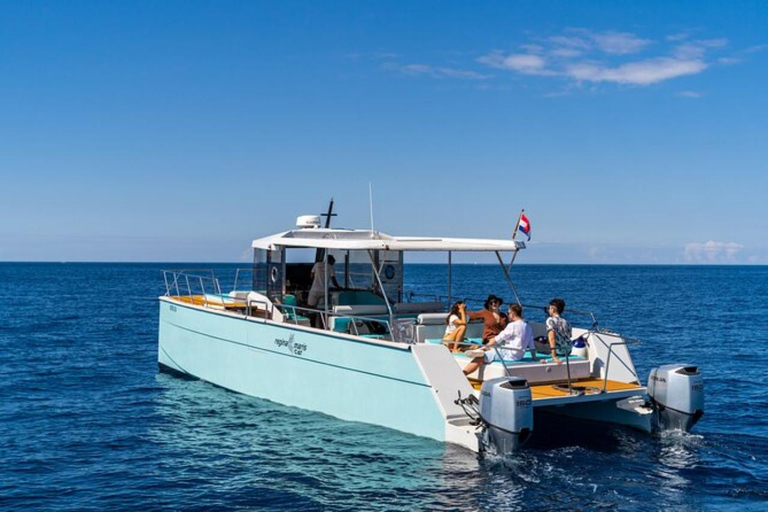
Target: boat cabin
[[351, 281]]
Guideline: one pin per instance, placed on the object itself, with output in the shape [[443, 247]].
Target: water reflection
[[245, 452], [230, 438], [677, 455]]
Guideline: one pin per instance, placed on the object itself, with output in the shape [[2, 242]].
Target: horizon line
[[649, 264]]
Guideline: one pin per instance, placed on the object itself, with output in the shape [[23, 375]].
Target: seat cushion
[[527, 359]]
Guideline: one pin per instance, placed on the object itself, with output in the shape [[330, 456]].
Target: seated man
[[558, 330], [513, 341]]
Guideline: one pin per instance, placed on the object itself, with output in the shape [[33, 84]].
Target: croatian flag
[[525, 226]]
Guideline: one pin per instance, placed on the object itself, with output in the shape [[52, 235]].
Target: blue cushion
[[525, 360], [359, 298]]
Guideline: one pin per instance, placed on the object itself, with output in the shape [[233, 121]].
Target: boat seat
[[344, 324], [358, 298], [438, 341], [289, 311], [527, 359], [421, 308], [361, 310]]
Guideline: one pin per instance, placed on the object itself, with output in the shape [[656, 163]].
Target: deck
[[551, 390]]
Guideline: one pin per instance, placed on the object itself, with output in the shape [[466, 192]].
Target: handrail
[[181, 281], [410, 295], [237, 275], [386, 323], [567, 310], [628, 341], [182, 277], [178, 279]]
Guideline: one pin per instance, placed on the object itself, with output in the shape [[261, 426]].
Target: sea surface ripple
[[88, 423]]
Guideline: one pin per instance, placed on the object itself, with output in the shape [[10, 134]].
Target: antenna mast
[[370, 203], [320, 253]]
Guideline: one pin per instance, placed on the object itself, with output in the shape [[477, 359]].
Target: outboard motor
[[677, 392], [506, 410]]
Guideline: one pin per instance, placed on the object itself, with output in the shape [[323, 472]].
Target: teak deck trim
[[544, 391]]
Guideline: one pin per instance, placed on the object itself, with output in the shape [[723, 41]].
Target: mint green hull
[[330, 373]]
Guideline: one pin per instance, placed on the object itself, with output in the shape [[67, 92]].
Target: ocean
[[88, 422]]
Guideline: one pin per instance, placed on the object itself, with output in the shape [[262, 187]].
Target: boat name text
[[290, 343]]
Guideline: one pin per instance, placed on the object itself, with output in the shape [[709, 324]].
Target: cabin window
[[390, 265], [275, 272], [260, 270]]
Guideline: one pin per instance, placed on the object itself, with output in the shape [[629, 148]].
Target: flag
[[524, 226]]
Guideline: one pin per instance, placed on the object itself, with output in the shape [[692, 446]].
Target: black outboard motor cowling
[[677, 392], [506, 409]]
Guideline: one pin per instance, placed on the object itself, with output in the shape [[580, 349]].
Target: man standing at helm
[[318, 281]]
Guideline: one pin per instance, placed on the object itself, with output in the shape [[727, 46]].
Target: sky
[[631, 132]]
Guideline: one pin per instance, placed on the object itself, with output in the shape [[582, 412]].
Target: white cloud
[[578, 43], [525, 63], [644, 72], [532, 48], [680, 36], [578, 56], [619, 43], [712, 252], [579, 40], [437, 72], [566, 52], [756, 48], [583, 55], [697, 49]]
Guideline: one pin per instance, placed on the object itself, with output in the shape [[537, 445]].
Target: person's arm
[[462, 320], [333, 276], [475, 315], [502, 338], [551, 336]]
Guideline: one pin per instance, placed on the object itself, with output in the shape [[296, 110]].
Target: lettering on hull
[[290, 343]]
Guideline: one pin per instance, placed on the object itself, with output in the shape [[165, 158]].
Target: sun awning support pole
[[325, 296], [512, 262], [383, 291], [506, 274], [450, 265]]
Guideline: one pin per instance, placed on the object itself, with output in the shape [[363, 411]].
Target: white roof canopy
[[348, 239]]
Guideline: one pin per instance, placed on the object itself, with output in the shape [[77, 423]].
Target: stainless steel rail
[[324, 314], [627, 341], [180, 278]]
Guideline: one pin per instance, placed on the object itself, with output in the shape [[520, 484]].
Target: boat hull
[[336, 374]]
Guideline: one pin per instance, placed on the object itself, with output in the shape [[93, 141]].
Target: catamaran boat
[[369, 351]]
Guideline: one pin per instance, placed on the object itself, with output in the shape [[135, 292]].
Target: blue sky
[[167, 131]]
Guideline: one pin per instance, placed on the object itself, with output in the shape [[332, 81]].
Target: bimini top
[[358, 239]]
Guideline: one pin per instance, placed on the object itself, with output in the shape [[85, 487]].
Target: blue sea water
[[88, 423]]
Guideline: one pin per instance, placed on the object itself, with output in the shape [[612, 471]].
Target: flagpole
[[517, 225], [514, 234]]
